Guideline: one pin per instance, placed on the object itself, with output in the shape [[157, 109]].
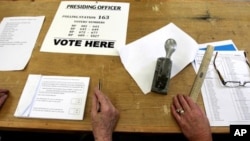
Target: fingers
[[95, 104], [4, 91], [101, 97], [193, 105], [3, 97], [175, 114], [181, 103], [97, 99], [181, 109], [102, 101], [176, 103], [190, 102]]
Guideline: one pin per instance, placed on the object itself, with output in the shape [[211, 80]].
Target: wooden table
[[205, 21]]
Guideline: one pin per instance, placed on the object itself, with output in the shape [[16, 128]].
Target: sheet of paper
[[225, 45], [18, 36], [88, 27], [224, 105], [139, 57], [53, 97]]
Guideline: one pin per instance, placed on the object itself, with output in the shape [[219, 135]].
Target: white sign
[[88, 27]]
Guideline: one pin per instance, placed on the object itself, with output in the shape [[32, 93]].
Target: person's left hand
[[191, 119], [104, 116], [3, 96]]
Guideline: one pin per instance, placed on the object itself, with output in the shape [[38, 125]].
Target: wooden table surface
[[205, 21]]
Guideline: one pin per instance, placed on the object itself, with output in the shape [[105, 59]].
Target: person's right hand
[[3, 96], [191, 119], [104, 116]]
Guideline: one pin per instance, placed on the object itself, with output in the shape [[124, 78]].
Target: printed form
[[226, 105], [53, 97], [18, 36]]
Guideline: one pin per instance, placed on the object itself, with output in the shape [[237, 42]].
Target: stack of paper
[[226, 105], [53, 97]]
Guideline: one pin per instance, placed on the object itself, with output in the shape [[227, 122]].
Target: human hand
[[3, 96], [104, 116], [191, 119]]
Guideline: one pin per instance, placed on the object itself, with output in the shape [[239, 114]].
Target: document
[[88, 27], [139, 57], [18, 36], [226, 105], [53, 97], [225, 45]]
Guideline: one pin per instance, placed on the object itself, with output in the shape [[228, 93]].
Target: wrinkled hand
[[3, 96], [191, 119], [104, 116]]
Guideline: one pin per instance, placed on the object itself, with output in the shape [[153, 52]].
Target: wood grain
[[205, 21]]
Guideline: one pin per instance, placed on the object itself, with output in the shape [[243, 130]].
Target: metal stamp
[[163, 69]]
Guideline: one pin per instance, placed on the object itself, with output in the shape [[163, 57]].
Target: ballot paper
[[224, 105], [88, 27], [18, 36], [139, 57], [53, 97]]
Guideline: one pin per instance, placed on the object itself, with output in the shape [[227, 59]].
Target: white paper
[[88, 27], [18, 36], [225, 106], [225, 45], [139, 57], [53, 97]]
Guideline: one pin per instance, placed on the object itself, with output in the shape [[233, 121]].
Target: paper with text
[[18, 36], [224, 105], [88, 27], [53, 97]]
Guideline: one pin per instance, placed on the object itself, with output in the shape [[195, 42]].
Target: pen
[[99, 87]]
